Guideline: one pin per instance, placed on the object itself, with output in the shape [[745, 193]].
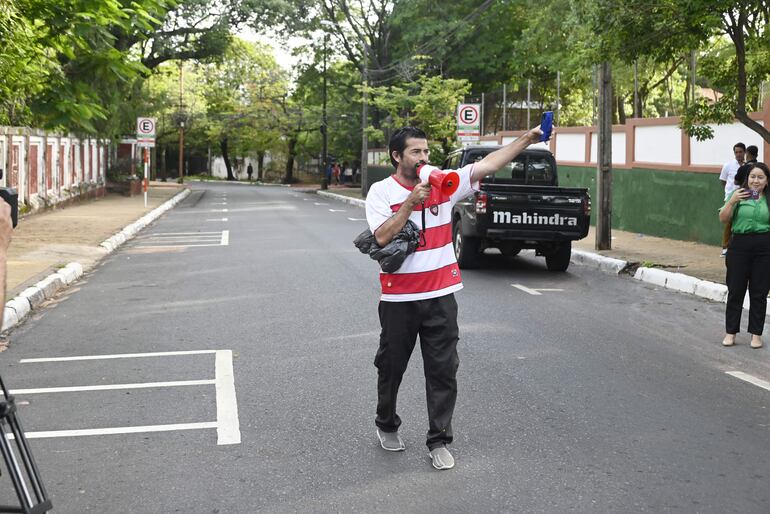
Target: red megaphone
[[445, 182]]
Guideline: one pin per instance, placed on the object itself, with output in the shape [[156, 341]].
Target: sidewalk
[[43, 243]]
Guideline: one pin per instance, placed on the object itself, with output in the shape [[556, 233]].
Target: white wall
[[661, 144], [618, 147], [719, 150], [570, 147]]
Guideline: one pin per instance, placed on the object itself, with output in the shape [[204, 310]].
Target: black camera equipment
[[19, 462]]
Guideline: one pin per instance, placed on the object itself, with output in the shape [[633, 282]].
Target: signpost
[[145, 139], [468, 122]]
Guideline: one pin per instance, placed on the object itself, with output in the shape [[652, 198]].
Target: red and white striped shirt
[[432, 270]]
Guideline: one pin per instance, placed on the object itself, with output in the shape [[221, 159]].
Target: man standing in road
[[727, 178], [418, 299]]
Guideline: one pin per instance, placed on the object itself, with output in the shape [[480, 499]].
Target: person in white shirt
[[727, 178], [418, 299]]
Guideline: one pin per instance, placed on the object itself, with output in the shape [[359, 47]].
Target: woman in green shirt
[[748, 254]]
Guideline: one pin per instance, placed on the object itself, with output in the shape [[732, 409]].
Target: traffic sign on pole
[[145, 132], [468, 122]]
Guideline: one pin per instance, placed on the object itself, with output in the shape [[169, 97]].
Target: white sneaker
[[441, 458], [724, 253], [390, 441]]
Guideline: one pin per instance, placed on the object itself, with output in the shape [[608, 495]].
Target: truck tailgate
[[536, 212]]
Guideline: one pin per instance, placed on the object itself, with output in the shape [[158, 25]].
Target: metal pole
[[364, 118], [325, 147], [604, 160], [529, 97], [637, 114], [181, 124], [145, 182], [481, 121], [505, 105], [692, 79], [558, 96]]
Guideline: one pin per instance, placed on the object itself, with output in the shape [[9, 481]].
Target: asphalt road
[[600, 395]]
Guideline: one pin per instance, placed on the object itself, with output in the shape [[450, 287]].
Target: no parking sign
[[468, 122]]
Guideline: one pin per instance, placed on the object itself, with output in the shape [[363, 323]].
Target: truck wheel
[[466, 248], [559, 259]]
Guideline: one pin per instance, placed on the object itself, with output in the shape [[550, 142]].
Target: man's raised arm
[[496, 160]]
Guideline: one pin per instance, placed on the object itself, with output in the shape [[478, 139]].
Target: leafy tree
[[243, 91], [429, 103], [661, 28]]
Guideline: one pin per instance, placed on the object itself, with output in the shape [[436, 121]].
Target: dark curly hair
[[398, 141]]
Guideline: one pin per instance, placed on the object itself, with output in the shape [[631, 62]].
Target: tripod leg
[[13, 469], [27, 458]]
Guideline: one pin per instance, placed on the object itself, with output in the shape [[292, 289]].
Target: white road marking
[[228, 428], [750, 379], [217, 232], [526, 290], [176, 246], [217, 219], [118, 430], [218, 210], [533, 291], [111, 387], [320, 203], [194, 239], [357, 219], [116, 356], [227, 424], [225, 238], [337, 210]]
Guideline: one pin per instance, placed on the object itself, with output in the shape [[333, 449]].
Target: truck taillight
[[481, 203], [587, 206]]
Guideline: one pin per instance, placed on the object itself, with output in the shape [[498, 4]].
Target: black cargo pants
[[435, 321], [748, 264]]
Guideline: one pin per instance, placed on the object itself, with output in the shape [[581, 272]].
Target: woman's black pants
[[435, 321], [748, 265]]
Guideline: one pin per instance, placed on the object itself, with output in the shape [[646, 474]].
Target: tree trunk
[[621, 109], [163, 164], [260, 164], [226, 157], [289, 177]]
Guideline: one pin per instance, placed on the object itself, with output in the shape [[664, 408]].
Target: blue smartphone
[[546, 125]]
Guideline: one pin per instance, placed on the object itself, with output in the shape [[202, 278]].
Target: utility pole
[[364, 117], [181, 123], [604, 160], [637, 111], [324, 127]]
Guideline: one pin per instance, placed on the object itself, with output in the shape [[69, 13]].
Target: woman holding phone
[[747, 209]]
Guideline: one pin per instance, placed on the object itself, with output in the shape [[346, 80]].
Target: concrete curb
[[655, 276], [31, 298], [131, 230], [342, 198]]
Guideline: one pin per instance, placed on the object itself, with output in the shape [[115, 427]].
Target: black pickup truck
[[519, 207]]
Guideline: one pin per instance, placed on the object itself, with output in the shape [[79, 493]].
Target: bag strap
[[423, 242]]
